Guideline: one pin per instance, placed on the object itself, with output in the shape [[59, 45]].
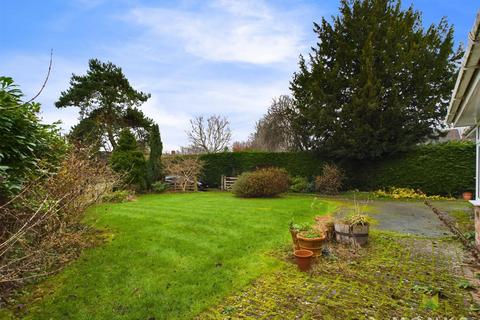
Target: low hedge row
[[447, 168]]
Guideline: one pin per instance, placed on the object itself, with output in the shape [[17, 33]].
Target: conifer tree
[[154, 165], [107, 103], [376, 83], [128, 159]]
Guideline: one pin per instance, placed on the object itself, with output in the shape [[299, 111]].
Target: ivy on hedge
[[447, 168]]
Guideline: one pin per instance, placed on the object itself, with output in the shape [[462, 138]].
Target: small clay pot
[[467, 195], [304, 259]]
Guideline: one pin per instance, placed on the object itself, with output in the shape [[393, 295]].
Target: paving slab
[[410, 217]]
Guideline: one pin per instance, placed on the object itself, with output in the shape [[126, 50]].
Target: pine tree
[[376, 83], [107, 104], [154, 165]]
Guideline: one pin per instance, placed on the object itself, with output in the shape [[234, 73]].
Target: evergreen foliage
[[107, 104], [28, 148], [376, 83], [154, 165], [447, 168], [129, 160]]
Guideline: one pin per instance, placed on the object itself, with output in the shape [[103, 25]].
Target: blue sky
[[195, 57]]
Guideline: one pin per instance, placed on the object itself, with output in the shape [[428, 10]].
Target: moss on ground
[[394, 276]]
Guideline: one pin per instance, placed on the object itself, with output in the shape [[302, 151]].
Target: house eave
[[462, 110]]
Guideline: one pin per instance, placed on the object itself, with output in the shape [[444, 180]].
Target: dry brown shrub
[[267, 182], [330, 182], [40, 228]]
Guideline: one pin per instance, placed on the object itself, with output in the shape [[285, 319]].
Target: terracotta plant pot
[[467, 195], [313, 244], [293, 233], [304, 259]]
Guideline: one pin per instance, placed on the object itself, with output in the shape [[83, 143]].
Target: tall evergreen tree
[[154, 165], [376, 83], [107, 104], [129, 160]]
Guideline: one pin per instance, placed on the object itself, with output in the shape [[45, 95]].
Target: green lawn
[[172, 255]]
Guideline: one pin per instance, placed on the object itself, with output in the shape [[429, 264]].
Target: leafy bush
[[159, 186], [268, 182], [128, 160], [28, 148], [299, 184], [118, 196], [330, 182]]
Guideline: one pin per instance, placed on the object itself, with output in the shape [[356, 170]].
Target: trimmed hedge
[[443, 169], [447, 168], [303, 164]]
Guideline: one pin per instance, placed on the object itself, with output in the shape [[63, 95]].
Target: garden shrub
[[159, 186], [268, 182], [330, 181], [118, 196], [299, 184], [41, 228], [29, 149], [406, 193]]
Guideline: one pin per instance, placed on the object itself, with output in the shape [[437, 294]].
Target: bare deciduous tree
[[209, 135], [273, 132], [185, 169]]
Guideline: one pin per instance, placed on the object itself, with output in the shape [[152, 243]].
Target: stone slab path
[[410, 217]]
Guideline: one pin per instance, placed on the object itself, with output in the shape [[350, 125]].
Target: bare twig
[[46, 79]]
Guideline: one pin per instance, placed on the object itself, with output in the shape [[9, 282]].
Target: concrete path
[[412, 217]]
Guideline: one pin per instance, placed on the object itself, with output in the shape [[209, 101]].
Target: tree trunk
[[111, 138]]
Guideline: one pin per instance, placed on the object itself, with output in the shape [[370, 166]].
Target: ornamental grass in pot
[[353, 229]]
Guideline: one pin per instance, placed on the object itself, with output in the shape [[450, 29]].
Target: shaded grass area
[[394, 276], [461, 212], [170, 256]]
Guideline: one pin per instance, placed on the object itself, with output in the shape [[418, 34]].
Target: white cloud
[[178, 55], [226, 31]]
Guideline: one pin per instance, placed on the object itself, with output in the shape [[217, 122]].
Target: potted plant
[[311, 240], [353, 229], [295, 228], [304, 259]]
